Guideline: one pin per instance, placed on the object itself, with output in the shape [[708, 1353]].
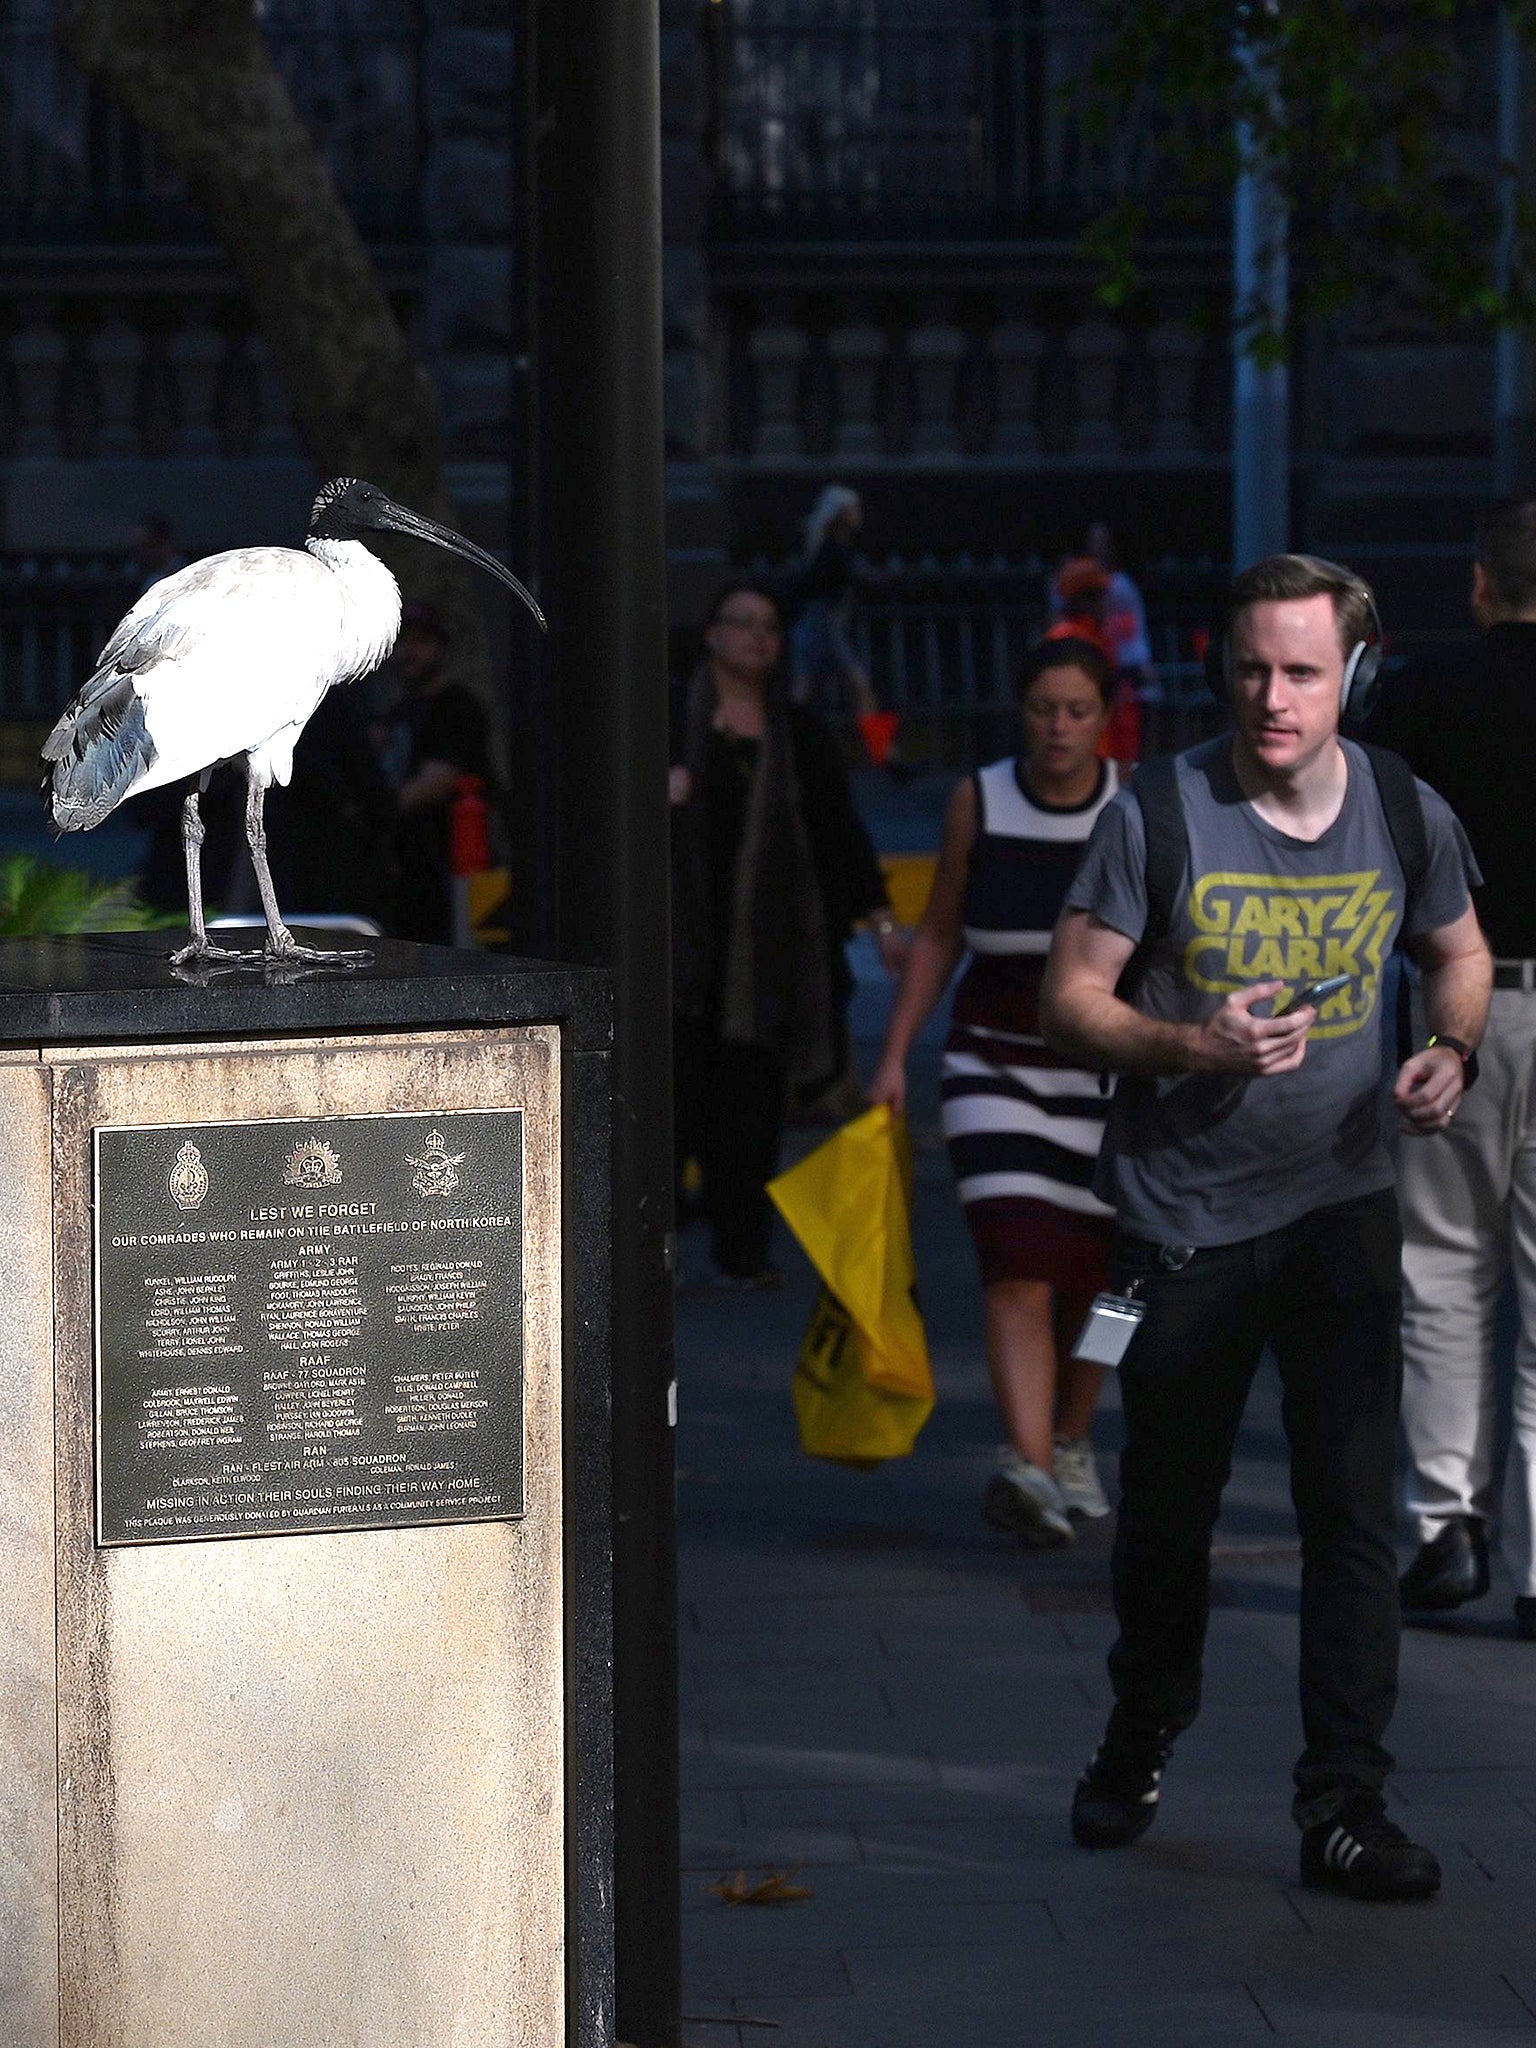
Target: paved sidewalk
[[886, 1699]]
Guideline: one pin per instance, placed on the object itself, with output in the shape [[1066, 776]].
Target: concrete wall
[[309, 1790]]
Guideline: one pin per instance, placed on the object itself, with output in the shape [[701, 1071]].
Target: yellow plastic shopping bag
[[863, 1386]]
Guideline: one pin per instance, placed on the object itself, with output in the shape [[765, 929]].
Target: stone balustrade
[[56, 612], [84, 378], [853, 383]]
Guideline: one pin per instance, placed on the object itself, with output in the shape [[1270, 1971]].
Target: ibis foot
[[203, 953], [314, 956], [281, 972]]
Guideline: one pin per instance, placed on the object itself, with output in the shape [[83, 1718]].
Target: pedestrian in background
[[1469, 1192], [1079, 590], [826, 671], [1125, 612], [1248, 1159], [1080, 600], [332, 829], [434, 733], [1023, 1125], [772, 869]]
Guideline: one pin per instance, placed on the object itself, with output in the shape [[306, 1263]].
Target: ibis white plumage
[[228, 660]]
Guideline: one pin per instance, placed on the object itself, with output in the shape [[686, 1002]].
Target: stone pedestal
[[336, 1787]]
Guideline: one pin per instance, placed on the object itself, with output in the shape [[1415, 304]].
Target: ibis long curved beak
[[393, 518]]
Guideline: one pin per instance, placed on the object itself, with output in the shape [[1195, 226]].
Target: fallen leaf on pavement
[[773, 1889], [735, 2019]]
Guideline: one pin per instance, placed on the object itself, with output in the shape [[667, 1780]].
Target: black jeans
[[730, 1117], [1325, 1291]]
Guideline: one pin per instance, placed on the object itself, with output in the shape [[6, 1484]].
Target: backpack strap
[[1404, 809], [1156, 789]]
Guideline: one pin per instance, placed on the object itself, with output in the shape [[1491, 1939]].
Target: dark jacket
[[1467, 727], [811, 813], [847, 868]]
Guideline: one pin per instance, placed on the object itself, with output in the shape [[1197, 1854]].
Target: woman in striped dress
[[1023, 1128]]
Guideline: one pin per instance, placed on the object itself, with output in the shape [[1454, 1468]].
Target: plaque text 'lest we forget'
[[308, 1324]]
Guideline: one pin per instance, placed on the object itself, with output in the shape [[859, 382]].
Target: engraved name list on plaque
[[308, 1324]]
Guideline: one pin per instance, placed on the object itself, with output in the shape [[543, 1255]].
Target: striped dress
[[1023, 1127]]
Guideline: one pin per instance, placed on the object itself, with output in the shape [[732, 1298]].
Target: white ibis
[[229, 658]]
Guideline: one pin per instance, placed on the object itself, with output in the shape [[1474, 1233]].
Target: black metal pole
[[597, 395]]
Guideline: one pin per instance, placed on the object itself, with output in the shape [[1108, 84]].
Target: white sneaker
[[1077, 1477], [1021, 1500]]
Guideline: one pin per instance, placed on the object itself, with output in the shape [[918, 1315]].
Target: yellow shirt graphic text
[[1252, 928]]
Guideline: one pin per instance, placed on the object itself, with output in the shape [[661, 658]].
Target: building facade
[[130, 374], [875, 272], [898, 291]]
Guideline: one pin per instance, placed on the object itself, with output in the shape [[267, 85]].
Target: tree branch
[[196, 74]]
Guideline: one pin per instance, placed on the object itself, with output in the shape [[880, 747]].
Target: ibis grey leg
[[279, 938], [193, 833], [281, 944]]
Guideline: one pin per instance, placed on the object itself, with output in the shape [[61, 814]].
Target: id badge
[[1112, 1322]]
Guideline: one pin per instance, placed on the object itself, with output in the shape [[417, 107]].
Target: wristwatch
[[1464, 1052]]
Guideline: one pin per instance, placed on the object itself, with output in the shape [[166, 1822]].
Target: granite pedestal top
[[119, 988]]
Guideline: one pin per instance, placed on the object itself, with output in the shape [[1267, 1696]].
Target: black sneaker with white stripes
[[1366, 1856], [1116, 1797]]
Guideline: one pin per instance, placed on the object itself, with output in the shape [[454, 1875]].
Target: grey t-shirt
[[1208, 1159]]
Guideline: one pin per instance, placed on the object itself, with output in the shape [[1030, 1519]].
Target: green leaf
[[1369, 118], [39, 899]]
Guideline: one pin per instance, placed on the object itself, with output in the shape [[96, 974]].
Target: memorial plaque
[[308, 1324]]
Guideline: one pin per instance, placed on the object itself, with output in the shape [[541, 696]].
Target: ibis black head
[[347, 508]]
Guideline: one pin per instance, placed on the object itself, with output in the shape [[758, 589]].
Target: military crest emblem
[[188, 1182], [436, 1172], [312, 1164]]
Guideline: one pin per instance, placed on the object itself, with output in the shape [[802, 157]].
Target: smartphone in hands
[[1316, 993]]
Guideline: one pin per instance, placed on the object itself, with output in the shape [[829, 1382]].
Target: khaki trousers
[[1468, 1198]]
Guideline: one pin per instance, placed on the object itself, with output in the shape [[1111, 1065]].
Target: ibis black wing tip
[[102, 753], [50, 815], [57, 744]]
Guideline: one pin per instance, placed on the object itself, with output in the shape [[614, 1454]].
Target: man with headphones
[[1236, 989]]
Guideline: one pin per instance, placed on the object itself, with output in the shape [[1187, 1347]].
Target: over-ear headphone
[[1362, 665]]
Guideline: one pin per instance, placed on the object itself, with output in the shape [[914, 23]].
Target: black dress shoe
[[1525, 1617], [1449, 1570]]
